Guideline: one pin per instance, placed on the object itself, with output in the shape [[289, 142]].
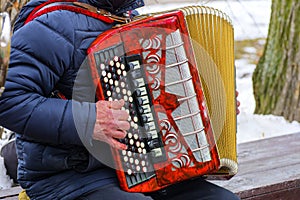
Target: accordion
[[175, 72]]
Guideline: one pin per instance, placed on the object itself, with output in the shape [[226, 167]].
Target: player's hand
[[111, 123], [238, 103]]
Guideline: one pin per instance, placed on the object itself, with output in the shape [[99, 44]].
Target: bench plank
[[268, 168], [11, 193]]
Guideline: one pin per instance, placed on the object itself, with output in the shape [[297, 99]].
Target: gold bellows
[[212, 37]]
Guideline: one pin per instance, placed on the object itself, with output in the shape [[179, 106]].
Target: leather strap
[[103, 12], [78, 7]]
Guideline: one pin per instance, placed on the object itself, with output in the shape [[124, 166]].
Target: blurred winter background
[[250, 19]]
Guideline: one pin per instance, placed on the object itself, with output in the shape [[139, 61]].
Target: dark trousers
[[189, 190]]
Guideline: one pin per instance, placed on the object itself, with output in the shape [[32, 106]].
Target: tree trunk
[[276, 79], [13, 8]]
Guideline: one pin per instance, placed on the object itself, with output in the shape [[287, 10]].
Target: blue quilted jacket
[[46, 54]]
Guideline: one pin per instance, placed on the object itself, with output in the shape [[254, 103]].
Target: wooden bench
[[268, 169], [10, 194]]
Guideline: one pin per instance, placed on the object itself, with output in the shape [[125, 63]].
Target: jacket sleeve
[[39, 57]]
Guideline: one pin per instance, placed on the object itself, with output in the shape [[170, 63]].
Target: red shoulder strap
[[73, 6]]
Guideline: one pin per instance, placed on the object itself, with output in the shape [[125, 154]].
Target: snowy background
[[250, 19]]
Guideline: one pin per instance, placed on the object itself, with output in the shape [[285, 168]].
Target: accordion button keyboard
[[150, 127], [144, 100], [139, 82], [130, 99], [119, 71], [146, 108], [136, 74], [144, 118], [123, 79], [140, 110]]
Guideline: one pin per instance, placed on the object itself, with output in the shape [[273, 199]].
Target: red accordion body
[[150, 64]]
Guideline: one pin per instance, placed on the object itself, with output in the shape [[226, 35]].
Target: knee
[[226, 195]]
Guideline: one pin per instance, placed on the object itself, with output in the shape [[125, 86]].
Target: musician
[[46, 54]]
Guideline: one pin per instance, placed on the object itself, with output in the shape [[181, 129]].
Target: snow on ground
[[251, 126], [5, 181], [250, 19]]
